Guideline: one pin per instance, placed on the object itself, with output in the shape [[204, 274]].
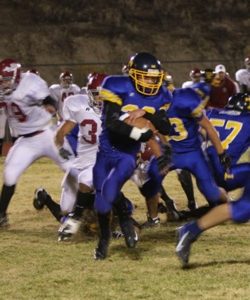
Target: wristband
[[136, 133]]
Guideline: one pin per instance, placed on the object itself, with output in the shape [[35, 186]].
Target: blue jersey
[[233, 128], [203, 89], [121, 90], [184, 112]]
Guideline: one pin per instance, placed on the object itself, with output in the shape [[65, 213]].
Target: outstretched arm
[[63, 131], [212, 134]]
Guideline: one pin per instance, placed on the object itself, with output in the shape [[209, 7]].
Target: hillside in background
[[84, 36]]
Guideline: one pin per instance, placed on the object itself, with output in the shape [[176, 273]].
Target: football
[[146, 153], [152, 146]]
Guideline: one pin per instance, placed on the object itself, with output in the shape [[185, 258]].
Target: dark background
[[86, 36]]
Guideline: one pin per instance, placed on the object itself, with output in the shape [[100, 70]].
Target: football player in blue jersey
[[202, 88], [186, 115], [142, 92], [232, 125]]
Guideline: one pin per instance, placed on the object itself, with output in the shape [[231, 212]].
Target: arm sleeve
[[160, 121], [112, 111]]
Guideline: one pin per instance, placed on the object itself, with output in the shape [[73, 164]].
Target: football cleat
[[39, 198], [173, 216], [151, 222], [68, 229], [4, 222], [185, 238], [117, 234], [129, 232], [101, 251]]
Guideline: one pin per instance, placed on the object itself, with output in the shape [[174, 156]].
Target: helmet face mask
[[66, 79], [95, 101], [7, 86], [93, 89], [10, 73], [146, 72]]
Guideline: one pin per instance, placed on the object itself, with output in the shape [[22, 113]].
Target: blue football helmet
[[146, 72], [239, 102]]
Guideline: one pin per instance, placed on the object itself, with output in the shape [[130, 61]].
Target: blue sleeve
[[113, 88], [188, 103]]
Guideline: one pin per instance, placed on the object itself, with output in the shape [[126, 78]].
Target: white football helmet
[[10, 73]]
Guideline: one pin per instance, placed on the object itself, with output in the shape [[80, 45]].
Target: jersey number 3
[[92, 132]]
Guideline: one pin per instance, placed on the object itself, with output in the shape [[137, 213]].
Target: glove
[[163, 163], [64, 153], [167, 150], [225, 160], [141, 135]]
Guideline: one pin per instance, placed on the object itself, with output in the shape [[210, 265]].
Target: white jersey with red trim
[[59, 93], [77, 110], [243, 77], [3, 119], [24, 106]]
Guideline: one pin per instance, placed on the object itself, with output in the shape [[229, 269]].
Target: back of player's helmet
[[239, 102], [93, 88], [66, 79], [195, 74], [146, 72], [34, 71], [247, 63], [10, 74], [246, 99]]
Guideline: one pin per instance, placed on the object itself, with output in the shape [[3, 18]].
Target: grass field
[[35, 266]]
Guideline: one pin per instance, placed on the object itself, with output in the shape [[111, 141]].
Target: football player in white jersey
[[3, 123], [3, 119], [29, 109], [242, 76], [62, 90], [77, 186]]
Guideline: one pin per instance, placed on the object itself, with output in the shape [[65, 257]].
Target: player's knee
[[241, 210], [10, 178], [212, 193]]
